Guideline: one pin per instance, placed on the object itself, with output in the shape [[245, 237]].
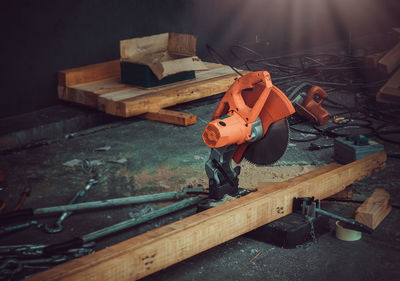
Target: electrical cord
[[335, 72], [219, 58], [381, 132]]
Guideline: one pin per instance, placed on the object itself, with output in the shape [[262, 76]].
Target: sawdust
[[164, 178], [251, 175]]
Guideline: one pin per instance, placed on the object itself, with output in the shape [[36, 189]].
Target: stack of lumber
[[388, 63], [99, 86]]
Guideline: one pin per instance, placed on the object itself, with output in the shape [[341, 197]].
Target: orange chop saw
[[250, 122]]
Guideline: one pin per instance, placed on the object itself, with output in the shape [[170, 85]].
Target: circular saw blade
[[271, 147]]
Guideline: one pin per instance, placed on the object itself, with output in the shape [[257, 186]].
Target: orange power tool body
[[251, 97], [250, 123], [311, 106]]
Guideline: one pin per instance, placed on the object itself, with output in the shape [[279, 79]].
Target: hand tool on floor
[[79, 241], [31, 251], [249, 122], [80, 195], [311, 208], [12, 216], [9, 229], [10, 267], [16, 258], [24, 195], [309, 105]]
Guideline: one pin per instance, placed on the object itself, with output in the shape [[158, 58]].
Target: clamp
[[312, 208]]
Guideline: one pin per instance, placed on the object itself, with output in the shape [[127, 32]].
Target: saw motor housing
[[244, 115]]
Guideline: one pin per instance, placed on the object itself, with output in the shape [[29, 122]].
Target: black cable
[[220, 59], [297, 91], [331, 71], [331, 131], [317, 135], [381, 132]]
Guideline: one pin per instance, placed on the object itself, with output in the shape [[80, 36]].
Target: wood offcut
[[171, 117], [390, 92], [390, 61], [157, 249], [374, 209]]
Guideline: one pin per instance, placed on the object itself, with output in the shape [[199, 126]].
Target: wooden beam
[[169, 97], [374, 209], [171, 117], [390, 92], [371, 61], [89, 73], [346, 194], [389, 62], [157, 249], [137, 101]]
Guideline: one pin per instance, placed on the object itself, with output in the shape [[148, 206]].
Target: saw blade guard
[[252, 98]]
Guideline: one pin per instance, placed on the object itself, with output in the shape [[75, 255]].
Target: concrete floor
[[162, 157], [157, 157]]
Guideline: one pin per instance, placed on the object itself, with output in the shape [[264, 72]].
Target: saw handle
[[234, 100], [315, 91], [313, 106]]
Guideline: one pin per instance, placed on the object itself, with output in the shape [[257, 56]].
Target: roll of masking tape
[[346, 234]]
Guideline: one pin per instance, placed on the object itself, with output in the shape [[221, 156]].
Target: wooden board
[[108, 94], [390, 61], [157, 249], [171, 117], [371, 61], [374, 209], [390, 92], [88, 73]]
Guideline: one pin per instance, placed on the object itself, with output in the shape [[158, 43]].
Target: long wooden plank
[[390, 61], [89, 73], [167, 245], [374, 209]]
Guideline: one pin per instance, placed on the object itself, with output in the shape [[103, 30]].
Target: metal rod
[[323, 212], [132, 222], [113, 202], [352, 224]]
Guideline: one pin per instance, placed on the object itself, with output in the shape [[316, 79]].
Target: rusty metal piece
[[25, 194]]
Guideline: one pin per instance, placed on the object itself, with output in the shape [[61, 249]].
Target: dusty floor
[[141, 157], [135, 157]]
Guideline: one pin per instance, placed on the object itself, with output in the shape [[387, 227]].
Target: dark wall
[[40, 37]]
